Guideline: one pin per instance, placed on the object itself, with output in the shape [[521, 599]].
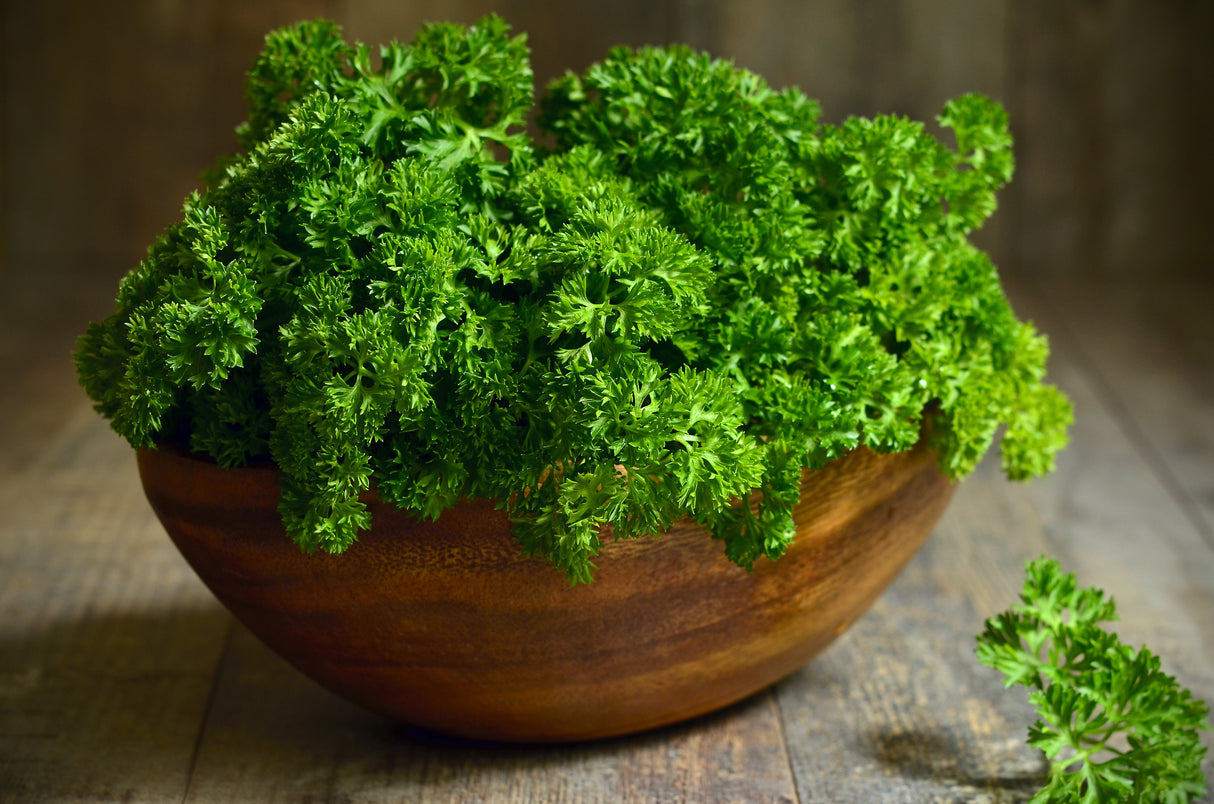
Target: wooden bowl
[[444, 625]]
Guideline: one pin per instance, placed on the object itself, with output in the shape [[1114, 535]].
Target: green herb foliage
[[1114, 725], [699, 292]]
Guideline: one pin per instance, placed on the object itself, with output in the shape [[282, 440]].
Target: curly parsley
[[1113, 724], [697, 293]]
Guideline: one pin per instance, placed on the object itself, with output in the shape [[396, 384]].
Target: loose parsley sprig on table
[[699, 292], [1114, 725]]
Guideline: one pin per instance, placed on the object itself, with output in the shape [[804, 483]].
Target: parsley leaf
[[1113, 724]]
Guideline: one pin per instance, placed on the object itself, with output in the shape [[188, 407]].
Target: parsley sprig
[[696, 293], [1114, 725]]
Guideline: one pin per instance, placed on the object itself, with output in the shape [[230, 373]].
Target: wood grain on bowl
[[445, 625]]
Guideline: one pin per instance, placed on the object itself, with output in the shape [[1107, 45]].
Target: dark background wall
[[110, 109]]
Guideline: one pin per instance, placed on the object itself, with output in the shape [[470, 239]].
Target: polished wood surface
[[122, 678], [445, 625]]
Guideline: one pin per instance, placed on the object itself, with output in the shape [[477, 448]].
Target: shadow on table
[[941, 759], [106, 707], [270, 733], [187, 706]]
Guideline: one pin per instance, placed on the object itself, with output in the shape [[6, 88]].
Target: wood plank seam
[[792, 773], [212, 693]]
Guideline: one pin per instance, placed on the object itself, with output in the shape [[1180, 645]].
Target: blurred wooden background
[[112, 109]]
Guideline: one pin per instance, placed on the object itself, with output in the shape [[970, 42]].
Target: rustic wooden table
[[122, 679]]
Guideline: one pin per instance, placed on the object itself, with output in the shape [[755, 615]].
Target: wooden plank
[[1149, 347], [867, 57], [1111, 108], [42, 312], [274, 735], [108, 643], [899, 710], [112, 110]]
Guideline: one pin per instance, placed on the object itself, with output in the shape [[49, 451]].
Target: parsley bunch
[[696, 294], [1116, 727]]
